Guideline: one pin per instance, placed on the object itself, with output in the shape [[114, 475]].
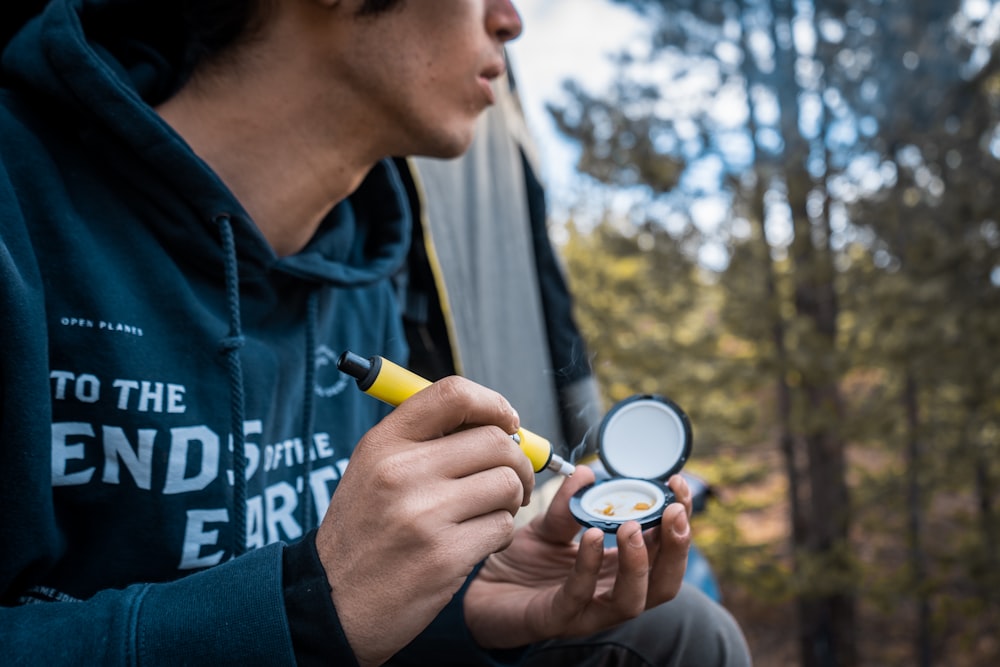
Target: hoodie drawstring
[[230, 346], [312, 308]]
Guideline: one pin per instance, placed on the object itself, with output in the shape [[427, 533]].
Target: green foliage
[[859, 305], [652, 322]]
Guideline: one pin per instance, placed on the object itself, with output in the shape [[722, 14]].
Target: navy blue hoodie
[[149, 335]]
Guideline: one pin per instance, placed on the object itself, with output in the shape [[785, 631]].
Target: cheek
[[433, 129], [448, 101], [438, 104]]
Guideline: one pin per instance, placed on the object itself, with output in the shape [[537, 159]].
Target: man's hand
[[429, 492], [545, 585]]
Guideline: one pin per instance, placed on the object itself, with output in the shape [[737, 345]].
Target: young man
[[197, 216]]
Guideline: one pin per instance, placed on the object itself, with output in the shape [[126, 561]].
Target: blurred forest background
[[809, 263]]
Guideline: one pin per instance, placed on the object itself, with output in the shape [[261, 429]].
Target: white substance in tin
[[623, 500]]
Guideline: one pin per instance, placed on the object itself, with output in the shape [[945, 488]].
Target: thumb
[[558, 525]]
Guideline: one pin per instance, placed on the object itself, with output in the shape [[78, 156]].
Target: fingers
[[576, 594], [558, 524], [682, 491], [668, 545], [673, 539], [650, 566], [581, 607], [449, 405], [481, 535], [483, 448], [469, 427], [538, 588], [483, 492], [632, 580]]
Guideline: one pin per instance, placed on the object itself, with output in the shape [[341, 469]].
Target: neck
[[262, 135]]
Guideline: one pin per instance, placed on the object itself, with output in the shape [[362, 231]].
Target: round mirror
[[646, 437]]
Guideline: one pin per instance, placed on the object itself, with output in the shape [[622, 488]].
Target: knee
[[693, 629]]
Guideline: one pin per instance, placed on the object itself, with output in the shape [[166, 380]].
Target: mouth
[[487, 75], [487, 88], [494, 69]]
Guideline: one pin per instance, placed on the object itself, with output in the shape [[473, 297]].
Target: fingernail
[[636, 539], [681, 526]]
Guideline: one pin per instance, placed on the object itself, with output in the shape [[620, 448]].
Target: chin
[[450, 151], [449, 145], [457, 151]]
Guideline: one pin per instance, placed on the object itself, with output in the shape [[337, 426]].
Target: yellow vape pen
[[393, 384]]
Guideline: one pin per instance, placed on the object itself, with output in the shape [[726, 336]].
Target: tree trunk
[[827, 618], [783, 393], [918, 561]]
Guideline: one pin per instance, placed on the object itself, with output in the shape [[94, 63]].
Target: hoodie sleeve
[[319, 639], [447, 640], [232, 614], [317, 635]]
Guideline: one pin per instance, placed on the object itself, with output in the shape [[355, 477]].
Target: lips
[[492, 71], [484, 84]]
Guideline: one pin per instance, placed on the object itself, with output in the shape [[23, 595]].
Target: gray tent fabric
[[474, 213]]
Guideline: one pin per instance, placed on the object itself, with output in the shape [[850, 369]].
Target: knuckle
[[454, 390], [464, 394], [509, 484], [502, 529], [505, 447], [412, 527], [502, 405], [578, 599], [504, 523], [390, 473], [642, 573], [685, 542]]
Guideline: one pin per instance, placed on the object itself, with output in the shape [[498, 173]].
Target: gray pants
[[689, 631]]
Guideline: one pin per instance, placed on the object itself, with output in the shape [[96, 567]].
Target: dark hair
[[372, 7], [215, 25], [209, 26]]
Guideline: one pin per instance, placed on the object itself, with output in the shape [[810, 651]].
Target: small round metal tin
[[642, 441], [609, 504]]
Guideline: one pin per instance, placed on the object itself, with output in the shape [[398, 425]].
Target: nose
[[503, 21]]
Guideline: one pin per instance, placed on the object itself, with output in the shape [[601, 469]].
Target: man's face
[[424, 68]]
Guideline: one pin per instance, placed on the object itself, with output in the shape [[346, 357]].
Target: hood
[[101, 65]]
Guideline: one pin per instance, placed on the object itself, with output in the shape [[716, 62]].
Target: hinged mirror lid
[[645, 436]]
